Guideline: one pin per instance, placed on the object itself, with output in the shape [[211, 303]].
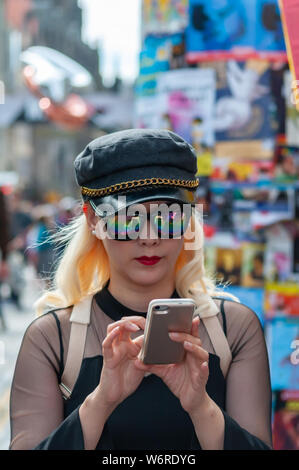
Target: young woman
[[97, 394]]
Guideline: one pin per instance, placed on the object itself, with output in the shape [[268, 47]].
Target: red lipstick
[[148, 261]]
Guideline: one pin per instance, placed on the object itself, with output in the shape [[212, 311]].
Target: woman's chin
[[146, 277]]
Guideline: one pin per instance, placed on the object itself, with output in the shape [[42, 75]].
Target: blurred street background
[[216, 72]]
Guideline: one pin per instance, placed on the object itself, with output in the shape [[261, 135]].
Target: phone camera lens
[[161, 308]]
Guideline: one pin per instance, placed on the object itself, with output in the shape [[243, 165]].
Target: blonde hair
[[83, 268]]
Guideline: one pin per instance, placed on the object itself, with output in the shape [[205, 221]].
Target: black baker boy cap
[[141, 164]]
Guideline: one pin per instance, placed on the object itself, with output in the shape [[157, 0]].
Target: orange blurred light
[[6, 190]]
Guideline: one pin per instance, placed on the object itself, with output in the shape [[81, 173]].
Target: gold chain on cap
[[137, 183]]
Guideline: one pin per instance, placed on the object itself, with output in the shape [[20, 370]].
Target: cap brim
[[112, 204]]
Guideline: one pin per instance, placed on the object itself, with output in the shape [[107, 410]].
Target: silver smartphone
[[163, 316]]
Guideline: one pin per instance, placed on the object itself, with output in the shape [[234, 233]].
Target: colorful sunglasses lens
[[171, 225], [123, 228]]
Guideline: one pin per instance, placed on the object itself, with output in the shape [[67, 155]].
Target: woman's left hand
[[187, 379]]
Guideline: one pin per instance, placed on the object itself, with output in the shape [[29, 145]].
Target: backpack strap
[[80, 319], [208, 312], [219, 342]]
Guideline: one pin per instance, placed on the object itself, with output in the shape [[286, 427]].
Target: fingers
[[153, 368], [204, 367], [119, 333], [127, 326], [195, 326], [139, 340], [133, 320], [156, 369], [203, 373], [194, 333], [197, 351], [108, 341], [192, 342]]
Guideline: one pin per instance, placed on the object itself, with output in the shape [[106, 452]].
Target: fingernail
[[132, 326], [174, 335]]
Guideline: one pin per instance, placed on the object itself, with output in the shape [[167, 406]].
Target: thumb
[[139, 341], [204, 369]]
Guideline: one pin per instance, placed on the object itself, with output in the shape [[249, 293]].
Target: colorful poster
[[267, 198], [210, 253], [296, 253], [292, 112], [253, 265], [282, 338], [204, 158], [243, 119], [228, 265], [252, 297], [296, 210], [275, 205], [221, 30], [186, 98], [243, 103], [242, 225], [269, 38], [164, 16], [146, 115], [247, 207], [181, 100], [286, 164], [278, 254], [221, 210], [159, 54], [290, 15], [281, 300], [285, 431], [242, 171], [278, 92]]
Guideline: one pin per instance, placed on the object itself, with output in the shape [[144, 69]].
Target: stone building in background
[[52, 23], [39, 151]]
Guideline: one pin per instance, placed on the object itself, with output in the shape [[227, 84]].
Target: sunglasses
[[166, 224]]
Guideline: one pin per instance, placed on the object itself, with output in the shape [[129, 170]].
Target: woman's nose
[[147, 235]]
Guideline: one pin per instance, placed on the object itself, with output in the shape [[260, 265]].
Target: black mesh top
[[152, 417]]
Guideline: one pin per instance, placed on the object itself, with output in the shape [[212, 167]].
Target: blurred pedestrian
[[65, 211], [20, 219]]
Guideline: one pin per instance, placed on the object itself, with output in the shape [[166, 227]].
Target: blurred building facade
[[38, 150], [58, 24], [51, 23]]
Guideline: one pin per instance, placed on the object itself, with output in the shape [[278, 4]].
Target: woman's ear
[[90, 215]]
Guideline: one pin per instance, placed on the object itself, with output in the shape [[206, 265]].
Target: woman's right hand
[[119, 376]]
